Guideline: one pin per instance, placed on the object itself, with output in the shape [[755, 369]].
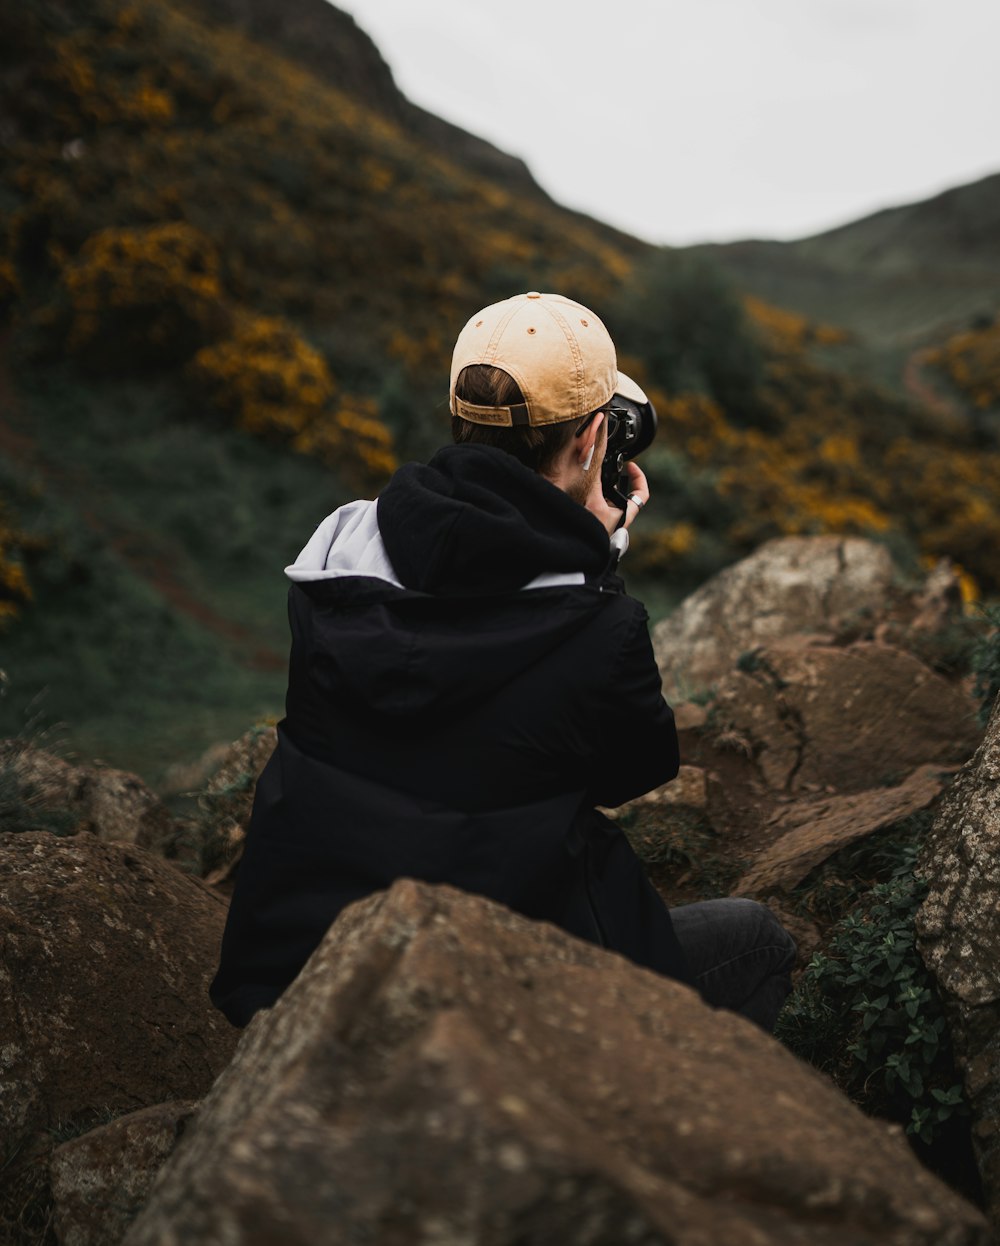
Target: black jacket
[[467, 680]]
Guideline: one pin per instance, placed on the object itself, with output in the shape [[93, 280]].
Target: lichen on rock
[[959, 938]]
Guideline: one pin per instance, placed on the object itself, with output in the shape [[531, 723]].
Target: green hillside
[[898, 278], [232, 275]]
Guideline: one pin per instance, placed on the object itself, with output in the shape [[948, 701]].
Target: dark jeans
[[740, 954]]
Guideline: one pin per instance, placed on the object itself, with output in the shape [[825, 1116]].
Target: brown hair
[[487, 386]]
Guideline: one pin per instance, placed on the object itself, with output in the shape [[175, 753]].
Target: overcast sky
[[691, 120]]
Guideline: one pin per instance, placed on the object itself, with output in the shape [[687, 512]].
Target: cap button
[[533, 294]]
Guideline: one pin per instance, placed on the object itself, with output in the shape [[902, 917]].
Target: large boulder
[[446, 1071], [105, 960], [805, 749], [958, 929], [820, 718], [792, 585]]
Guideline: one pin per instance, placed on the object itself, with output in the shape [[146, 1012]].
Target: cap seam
[[493, 344], [577, 354]]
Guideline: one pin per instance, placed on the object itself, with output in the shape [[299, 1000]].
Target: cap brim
[[628, 389]]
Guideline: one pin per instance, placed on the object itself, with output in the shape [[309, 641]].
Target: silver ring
[[639, 503]]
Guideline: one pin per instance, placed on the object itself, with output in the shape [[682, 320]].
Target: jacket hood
[[475, 520], [465, 572]]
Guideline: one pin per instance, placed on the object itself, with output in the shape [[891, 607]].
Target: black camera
[[631, 429]]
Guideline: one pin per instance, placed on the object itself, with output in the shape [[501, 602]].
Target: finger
[[637, 482]]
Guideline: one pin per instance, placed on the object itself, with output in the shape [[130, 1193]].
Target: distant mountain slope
[[959, 228], [902, 276]]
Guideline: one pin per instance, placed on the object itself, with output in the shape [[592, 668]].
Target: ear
[[584, 446]]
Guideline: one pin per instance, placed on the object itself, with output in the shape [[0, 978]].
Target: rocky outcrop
[[822, 718], [112, 804], [105, 960], [793, 585], [958, 929], [806, 748], [227, 801], [101, 1181], [444, 1070], [809, 831]]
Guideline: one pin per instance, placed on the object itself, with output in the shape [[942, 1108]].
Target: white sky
[[693, 120]]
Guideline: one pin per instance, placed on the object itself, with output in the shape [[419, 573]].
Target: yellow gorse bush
[[662, 550], [265, 376], [788, 330], [10, 285], [272, 382], [972, 362], [830, 465], [15, 591], [146, 295], [353, 441]]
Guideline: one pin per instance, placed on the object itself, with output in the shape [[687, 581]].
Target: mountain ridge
[[901, 276], [329, 42]]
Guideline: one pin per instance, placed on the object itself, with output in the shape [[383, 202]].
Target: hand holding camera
[[631, 429]]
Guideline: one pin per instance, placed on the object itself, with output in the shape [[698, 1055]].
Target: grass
[[681, 852], [159, 623]]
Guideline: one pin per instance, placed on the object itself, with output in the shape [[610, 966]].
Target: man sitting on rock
[[468, 681]]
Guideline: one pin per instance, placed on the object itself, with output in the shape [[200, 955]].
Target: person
[[469, 685]]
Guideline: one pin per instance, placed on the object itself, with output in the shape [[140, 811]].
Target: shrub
[[352, 441], [679, 314], [265, 376], [143, 297], [971, 360], [272, 382], [15, 591], [10, 287], [867, 1012]]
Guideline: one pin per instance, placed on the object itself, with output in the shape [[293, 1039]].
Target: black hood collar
[[475, 520]]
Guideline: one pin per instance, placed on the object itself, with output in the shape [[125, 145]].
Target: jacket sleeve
[[638, 739]]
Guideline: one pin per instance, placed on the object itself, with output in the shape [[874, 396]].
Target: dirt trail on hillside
[[137, 549], [920, 388]]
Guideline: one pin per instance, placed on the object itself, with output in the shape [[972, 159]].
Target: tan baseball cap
[[559, 353]]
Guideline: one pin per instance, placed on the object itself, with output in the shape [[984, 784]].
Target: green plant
[[680, 315], [867, 1012], [680, 850], [836, 887]]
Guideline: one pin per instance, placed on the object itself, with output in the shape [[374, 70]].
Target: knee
[[771, 934]]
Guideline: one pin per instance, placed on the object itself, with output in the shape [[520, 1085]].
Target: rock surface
[[821, 718], [228, 800], [444, 1071], [793, 585], [101, 1180], [958, 929], [809, 831], [688, 789], [806, 748], [112, 804], [105, 960]]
